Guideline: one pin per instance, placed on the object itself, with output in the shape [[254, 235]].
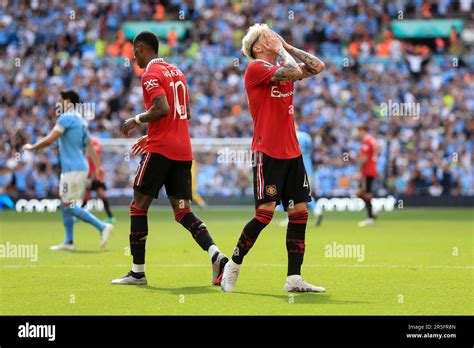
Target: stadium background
[[48, 46]]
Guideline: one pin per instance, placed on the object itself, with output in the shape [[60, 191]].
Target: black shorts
[[97, 184], [366, 184], [156, 170], [280, 180]]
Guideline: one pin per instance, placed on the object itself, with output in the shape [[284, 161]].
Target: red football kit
[[271, 107], [168, 136], [368, 149]]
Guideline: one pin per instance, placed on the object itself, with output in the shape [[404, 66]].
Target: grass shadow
[[305, 298], [187, 290], [87, 252]]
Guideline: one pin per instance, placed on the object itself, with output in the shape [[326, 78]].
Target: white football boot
[[129, 279], [230, 275], [62, 246], [295, 283], [366, 222], [105, 235]]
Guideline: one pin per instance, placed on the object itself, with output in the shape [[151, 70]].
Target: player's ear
[[257, 48]]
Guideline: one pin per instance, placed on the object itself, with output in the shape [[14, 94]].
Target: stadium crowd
[[48, 46]]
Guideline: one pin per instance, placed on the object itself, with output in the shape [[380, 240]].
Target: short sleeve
[[64, 122], [259, 72], [153, 86]]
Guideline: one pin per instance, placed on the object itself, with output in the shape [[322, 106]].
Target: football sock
[[106, 206], [194, 225], [138, 268], [138, 236], [84, 215], [68, 221], [368, 205], [295, 237], [213, 252], [250, 234]]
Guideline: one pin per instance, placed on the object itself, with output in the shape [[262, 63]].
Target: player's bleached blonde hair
[[251, 37]]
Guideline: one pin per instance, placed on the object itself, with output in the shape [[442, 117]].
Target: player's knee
[[179, 214], [138, 210], [298, 217], [264, 215], [179, 204]]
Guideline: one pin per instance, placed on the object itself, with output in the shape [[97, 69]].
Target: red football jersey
[[168, 136], [271, 107], [98, 148], [368, 149]]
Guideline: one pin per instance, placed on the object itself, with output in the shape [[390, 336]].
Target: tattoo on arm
[[159, 109], [312, 64], [290, 70]]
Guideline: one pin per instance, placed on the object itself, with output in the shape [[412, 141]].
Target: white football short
[[72, 186]]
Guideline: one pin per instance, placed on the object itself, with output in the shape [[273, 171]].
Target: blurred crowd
[[49, 46]]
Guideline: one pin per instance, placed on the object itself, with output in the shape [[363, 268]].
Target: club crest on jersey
[[151, 84], [271, 190]]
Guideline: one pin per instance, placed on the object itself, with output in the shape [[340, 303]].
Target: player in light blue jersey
[[74, 139], [306, 146]]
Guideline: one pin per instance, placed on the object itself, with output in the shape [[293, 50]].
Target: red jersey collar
[[155, 60]]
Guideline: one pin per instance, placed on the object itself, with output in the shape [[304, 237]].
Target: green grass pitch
[[416, 262]]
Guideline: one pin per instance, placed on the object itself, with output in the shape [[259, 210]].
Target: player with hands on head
[[278, 167]]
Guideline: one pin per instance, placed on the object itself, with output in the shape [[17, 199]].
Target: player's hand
[[128, 125], [27, 147], [271, 41], [100, 174], [286, 46], [139, 147]]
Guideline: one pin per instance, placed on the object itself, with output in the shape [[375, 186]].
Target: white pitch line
[[190, 265]]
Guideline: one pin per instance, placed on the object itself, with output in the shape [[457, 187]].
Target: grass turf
[[416, 262]]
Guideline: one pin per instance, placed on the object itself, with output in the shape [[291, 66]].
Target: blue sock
[[68, 221], [84, 215]]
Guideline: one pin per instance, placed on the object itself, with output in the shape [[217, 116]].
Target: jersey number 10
[[179, 108]]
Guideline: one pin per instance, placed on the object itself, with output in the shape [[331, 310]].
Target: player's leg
[[296, 194], [268, 175], [312, 205], [178, 188], [101, 188], [148, 181], [68, 222], [87, 198], [365, 193], [72, 188]]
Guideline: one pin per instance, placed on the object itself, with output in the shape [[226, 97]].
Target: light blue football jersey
[[73, 142]]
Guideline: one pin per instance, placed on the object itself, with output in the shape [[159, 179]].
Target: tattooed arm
[[311, 65], [290, 70]]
